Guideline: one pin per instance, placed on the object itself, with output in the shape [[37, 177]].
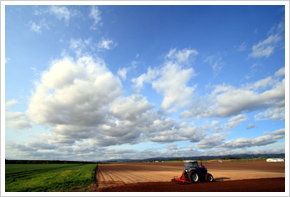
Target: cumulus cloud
[[231, 101], [171, 79], [226, 101], [232, 123], [280, 72], [177, 133], [215, 126], [91, 149], [212, 141], [172, 84], [85, 151], [73, 94], [146, 77], [82, 100], [277, 113], [235, 121], [123, 108], [218, 141], [17, 120], [85, 84], [258, 141]]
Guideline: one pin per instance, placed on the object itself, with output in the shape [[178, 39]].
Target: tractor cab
[[190, 165], [193, 165]]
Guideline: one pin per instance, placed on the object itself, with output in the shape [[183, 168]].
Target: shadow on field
[[221, 179]]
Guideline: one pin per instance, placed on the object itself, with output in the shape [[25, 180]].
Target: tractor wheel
[[193, 177], [209, 178]]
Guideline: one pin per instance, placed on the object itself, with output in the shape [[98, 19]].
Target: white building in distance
[[275, 160]]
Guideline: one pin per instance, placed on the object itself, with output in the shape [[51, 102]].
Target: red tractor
[[193, 173]]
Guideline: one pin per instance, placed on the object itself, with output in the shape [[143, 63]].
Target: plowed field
[[157, 177]]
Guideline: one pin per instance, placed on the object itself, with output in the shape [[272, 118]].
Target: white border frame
[[3, 3]]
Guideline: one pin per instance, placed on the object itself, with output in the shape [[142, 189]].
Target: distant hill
[[236, 156]]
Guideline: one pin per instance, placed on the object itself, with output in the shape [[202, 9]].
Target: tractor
[[193, 173]]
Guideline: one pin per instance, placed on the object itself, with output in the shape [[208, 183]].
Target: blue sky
[[136, 81]]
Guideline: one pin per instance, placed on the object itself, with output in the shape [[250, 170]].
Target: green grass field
[[48, 177]]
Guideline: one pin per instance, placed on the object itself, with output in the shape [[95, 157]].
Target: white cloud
[[250, 126], [215, 126], [181, 56], [235, 121], [172, 84], [258, 141], [11, 103], [146, 77], [34, 27], [60, 12], [123, 108], [232, 101], [75, 92], [17, 120], [171, 79], [123, 73], [266, 47], [226, 101], [277, 113], [38, 27], [218, 141], [106, 44], [82, 100], [263, 83], [280, 133], [280, 72], [95, 14], [212, 141], [80, 46], [175, 132], [89, 152]]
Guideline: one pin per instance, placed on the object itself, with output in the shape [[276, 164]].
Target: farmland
[[241, 176], [48, 177]]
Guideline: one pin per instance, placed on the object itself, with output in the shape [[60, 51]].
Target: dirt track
[[227, 176]]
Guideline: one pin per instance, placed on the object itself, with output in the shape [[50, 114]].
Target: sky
[[100, 82]]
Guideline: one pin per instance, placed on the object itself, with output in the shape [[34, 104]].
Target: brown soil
[[250, 185], [230, 176]]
